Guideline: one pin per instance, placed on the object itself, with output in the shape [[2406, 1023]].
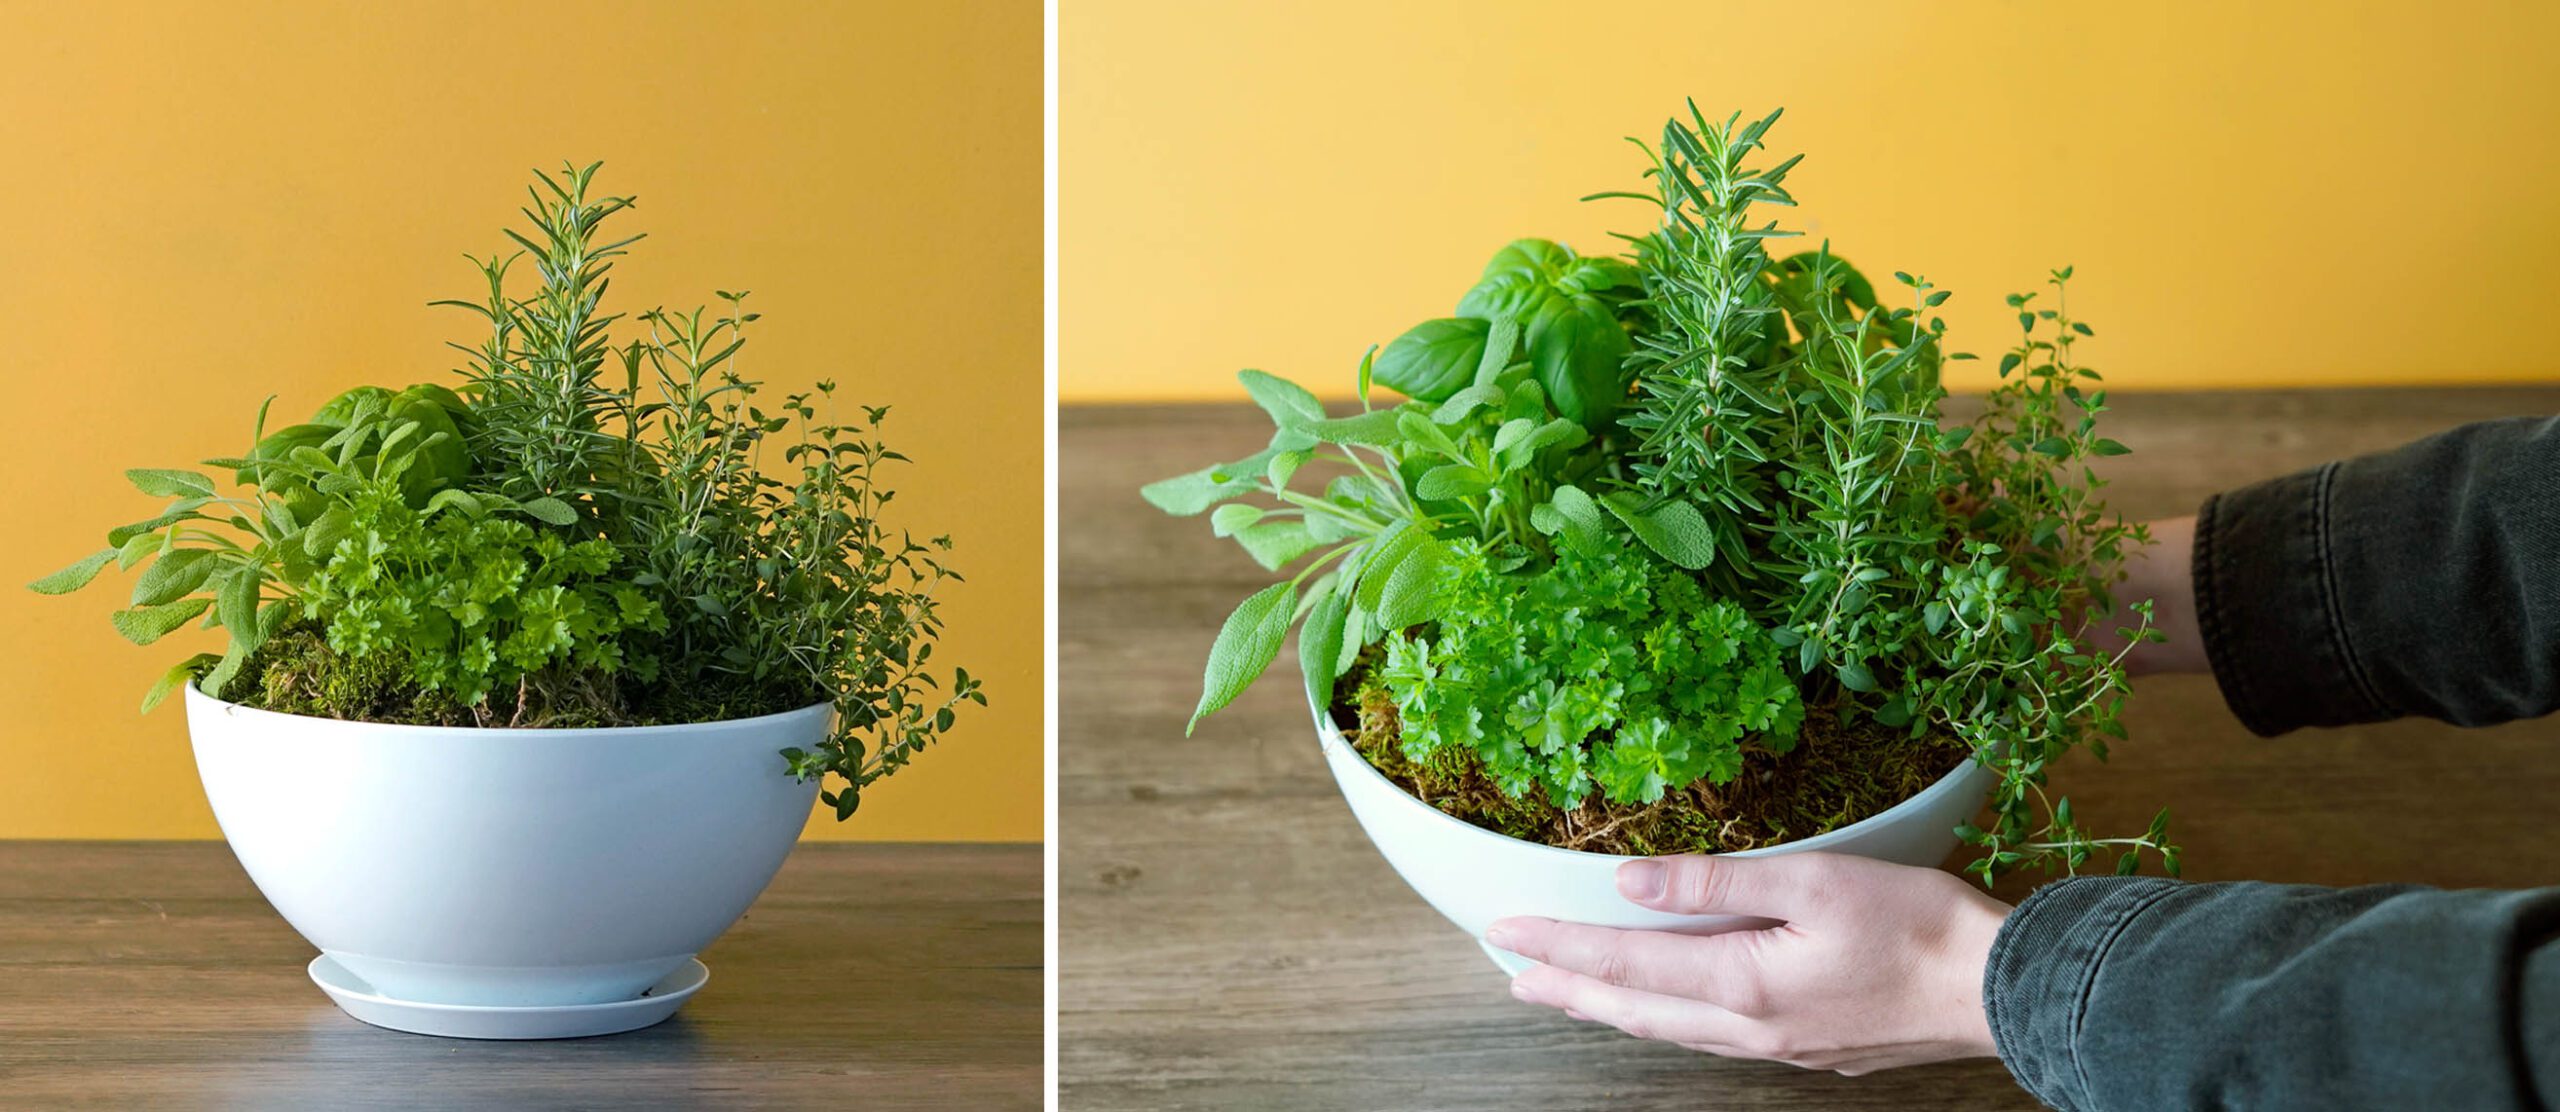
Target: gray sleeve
[[2141, 993], [2421, 581]]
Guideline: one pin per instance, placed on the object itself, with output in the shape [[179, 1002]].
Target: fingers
[[1644, 1015], [1791, 887], [1719, 969]]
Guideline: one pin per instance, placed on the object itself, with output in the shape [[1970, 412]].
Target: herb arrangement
[[1673, 552], [579, 532]]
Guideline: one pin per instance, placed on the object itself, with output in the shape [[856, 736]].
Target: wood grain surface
[[1230, 940], [151, 975]]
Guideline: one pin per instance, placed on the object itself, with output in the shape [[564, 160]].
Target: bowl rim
[[1329, 737], [197, 698]]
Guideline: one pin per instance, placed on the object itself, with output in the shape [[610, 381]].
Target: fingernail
[[1521, 992], [1499, 935], [1640, 881]]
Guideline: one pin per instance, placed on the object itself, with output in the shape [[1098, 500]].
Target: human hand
[[1874, 965]]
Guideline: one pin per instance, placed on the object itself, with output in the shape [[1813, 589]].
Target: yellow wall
[[2290, 192], [201, 204]]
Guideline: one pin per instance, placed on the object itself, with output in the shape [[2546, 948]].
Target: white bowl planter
[[499, 868], [1475, 876]]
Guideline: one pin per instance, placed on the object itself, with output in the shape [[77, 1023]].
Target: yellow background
[[2253, 194], [203, 204]]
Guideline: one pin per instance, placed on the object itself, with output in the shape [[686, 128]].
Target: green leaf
[[1376, 428], [1320, 644], [168, 482], [1378, 559], [1500, 340], [1289, 404], [1275, 544], [551, 511], [174, 678], [1855, 676], [145, 624], [322, 537], [1418, 430], [1519, 441], [1284, 466], [236, 603], [1674, 530], [1234, 516], [1527, 257], [2106, 447], [1572, 517], [1187, 495], [1414, 590], [183, 509], [1433, 359], [1576, 350], [174, 576], [1452, 480], [1464, 403], [140, 547], [1246, 645], [74, 577]]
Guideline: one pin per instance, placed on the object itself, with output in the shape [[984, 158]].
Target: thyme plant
[[1753, 540], [556, 545]]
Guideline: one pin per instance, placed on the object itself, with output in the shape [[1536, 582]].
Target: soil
[[1839, 772]]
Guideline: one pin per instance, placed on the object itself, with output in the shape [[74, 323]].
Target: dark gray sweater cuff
[[2036, 986], [2269, 611]]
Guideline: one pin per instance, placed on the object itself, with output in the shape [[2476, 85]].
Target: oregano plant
[[1677, 550], [583, 529]]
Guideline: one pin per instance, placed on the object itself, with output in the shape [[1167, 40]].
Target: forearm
[[2422, 581], [2157, 573], [2137, 993]]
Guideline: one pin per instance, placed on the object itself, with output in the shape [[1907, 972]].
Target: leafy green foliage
[[1491, 464], [1768, 434], [547, 545], [470, 598], [1602, 671], [1566, 316]]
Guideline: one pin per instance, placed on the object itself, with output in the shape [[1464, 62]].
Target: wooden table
[[1230, 939], [152, 975]]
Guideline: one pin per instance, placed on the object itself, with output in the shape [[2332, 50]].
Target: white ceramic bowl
[[1475, 876], [505, 868]]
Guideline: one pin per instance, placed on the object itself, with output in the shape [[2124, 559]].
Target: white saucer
[[468, 1021]]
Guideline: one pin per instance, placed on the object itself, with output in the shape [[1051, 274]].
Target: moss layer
[[296, 672], [1838, 773]]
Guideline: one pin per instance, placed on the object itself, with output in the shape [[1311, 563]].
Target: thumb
[[1789, 887]]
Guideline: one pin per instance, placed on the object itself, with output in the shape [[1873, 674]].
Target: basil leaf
[[1577, 351], [1433, 359]]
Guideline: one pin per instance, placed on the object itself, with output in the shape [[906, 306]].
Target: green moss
[[1839, 772], [296, 672]]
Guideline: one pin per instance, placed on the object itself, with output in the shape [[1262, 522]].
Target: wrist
[[1966, 959]]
